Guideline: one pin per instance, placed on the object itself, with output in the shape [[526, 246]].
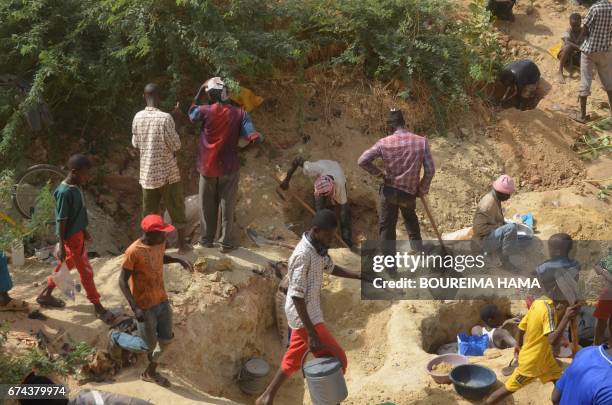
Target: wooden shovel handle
[[574, 332], [433, 222], [310, 209]]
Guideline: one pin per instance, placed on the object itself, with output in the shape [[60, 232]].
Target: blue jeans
[[502, 240], [154, 333], [6, 283]]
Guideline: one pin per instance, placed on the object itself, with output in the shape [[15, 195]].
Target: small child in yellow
[[539, 331]]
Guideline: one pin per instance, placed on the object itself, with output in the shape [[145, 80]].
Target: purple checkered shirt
[[403, 153]]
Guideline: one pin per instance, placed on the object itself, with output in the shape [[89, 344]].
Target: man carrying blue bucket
[[303, 306]]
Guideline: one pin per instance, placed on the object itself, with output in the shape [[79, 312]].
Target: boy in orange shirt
[[143, 270]]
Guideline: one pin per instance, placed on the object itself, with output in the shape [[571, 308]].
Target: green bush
[[89, 59], [14, 367]]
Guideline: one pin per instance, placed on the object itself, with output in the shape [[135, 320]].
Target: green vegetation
[[14, 367], [87, 60], [14, 231]]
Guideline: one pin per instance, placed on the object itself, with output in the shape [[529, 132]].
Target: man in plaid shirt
[[596, 53], [403, 154]]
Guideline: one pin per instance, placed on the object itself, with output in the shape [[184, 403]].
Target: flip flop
[[50, 302], [576, 117], [36, 314], [157, 379], [107, 317], [506, 371], [15, 305]]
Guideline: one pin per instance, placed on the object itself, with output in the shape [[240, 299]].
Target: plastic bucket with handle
[[325, 379]]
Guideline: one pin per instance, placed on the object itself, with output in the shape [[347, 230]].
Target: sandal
[[50, 301], [506, 371], [576, 117], [15, 305], [107, 317], [36, 314], [157, 379]]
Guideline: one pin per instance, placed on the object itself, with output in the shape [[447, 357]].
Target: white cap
[[215, 84]]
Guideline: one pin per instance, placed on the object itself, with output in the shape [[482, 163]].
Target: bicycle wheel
[[29, 185]]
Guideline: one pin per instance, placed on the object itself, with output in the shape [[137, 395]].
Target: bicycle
[[29, 184]]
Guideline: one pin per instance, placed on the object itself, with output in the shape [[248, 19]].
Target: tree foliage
[[88, 59]]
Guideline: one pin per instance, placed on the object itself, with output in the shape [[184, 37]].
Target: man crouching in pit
[[303, 306]]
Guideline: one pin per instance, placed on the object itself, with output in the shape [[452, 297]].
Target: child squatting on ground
[[143, 270]]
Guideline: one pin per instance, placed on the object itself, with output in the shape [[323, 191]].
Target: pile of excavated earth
[[225, 312]]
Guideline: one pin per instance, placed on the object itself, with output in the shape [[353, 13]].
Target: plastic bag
[[64, 281], [472, 345]]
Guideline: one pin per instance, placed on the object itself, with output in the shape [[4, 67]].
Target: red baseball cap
[[155, 223]]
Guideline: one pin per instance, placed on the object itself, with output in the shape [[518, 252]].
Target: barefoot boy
[[569, 55], [71, 228], [303, 307], [143, 269]]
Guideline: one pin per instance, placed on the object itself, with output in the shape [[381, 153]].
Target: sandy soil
[[222, 319]]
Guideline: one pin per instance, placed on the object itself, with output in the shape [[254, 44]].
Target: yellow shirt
[[536, 356]]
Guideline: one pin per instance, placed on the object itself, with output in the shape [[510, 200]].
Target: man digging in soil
[[71, 228], [329, 189], [520, 80], [303, 305], [403, 154], [143, 269], [153, 134]]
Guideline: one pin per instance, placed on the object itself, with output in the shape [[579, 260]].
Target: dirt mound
[[536, 149], [564, 210]]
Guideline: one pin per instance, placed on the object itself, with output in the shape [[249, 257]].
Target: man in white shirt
[[329, 189], [303, 304], [154, 135]]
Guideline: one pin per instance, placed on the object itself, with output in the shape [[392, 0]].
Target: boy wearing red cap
[[142, 284], [491, 232]]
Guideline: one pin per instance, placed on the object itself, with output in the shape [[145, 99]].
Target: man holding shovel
[[329, 189], [403, 155]]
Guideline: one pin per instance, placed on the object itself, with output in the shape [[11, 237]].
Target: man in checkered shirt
[[403, 154], [154, 135], [596, 53], [303, 303]]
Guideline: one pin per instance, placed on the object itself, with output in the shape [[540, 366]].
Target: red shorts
[[603, 309], [298, 345]]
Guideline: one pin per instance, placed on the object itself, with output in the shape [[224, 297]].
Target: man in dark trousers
[[403, 154], [218, 164]]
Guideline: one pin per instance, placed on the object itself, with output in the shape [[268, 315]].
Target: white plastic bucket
[[325, 380], [17, 255]]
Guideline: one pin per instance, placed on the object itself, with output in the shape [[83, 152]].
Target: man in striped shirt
[[403, 154], [154, 135]]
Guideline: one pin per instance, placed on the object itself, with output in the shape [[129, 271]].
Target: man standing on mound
[[303, 306], [143, 270]]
